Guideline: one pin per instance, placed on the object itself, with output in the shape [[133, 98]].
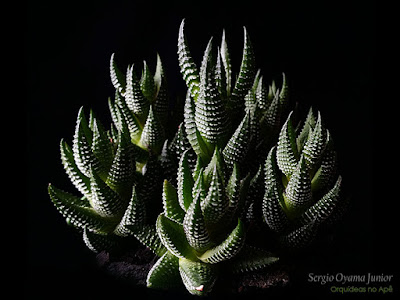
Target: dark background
[[326, 48]]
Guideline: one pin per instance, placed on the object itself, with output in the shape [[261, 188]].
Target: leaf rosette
[[201, 229], [302, 185]]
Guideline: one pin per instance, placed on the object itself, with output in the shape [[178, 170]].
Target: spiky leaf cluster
[[142, 103], [302, 186], [118, 171], [201, 230], [237, 116]]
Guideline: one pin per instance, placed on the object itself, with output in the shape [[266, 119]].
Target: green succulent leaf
[[172, 236], [172, 209], [198, 277], [114, 115], [164, 273], [220, 79], [134, 216], [217, 161], [271, 118], [159, 77], [99, 242], [134, 98], [78, 214], [315, 144], [327, 171], [148, 236], [104, 200], [250, 259], [237, 147], [246, 74], [117, 77], [300, 237], [273, 202], [215, 204], [226, 61], [122, 172], [193, 135], [80, 181], [284, 94], [286, 154], [185, 182], [147, 84], [186, 63], [127, 120], [102, 149], [153, 134], [82, 149], [321, 210], [199, 188], [233, 188], [180, 144], [228, 248], [308, 127], [261, 95], [298, 190], [195, 228]]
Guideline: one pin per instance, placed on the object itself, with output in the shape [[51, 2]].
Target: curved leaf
[[315, 144], [134, 216], [321, 210], [79, 216], [246, 74], [251, 259], [164, 273], [80, 181], [147, 84], [122, 172], [216, 203], [99, 242], [198, 277], [185, 182], [186, 63], [195, 227], [238, 145], [153, 133], [298, 190], [134, 98], [173, 237], [171, 205], [286, 152], [117, 77], [228, 248], [105, 201], [273, 200]]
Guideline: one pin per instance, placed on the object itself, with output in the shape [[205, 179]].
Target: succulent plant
[[191, 199], [302, 185], [119, 172], [201, 230]]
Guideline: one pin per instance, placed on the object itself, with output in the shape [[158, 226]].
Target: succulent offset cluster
[[191, 199], [301, 182], [118, 171], [240, 118], [201, 229]]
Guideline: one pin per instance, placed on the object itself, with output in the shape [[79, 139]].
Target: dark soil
[[134, 266]]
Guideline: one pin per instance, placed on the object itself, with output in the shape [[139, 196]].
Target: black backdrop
[[326, 49]]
